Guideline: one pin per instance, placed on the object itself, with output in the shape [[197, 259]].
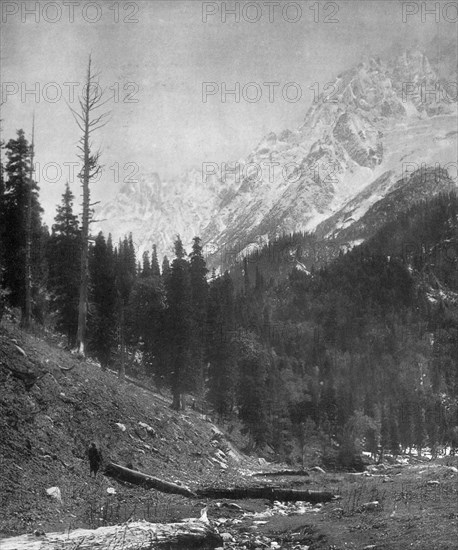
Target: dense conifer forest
[[355, 349]]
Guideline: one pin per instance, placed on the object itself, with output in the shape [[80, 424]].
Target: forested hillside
[[353, 348], [372, 335]]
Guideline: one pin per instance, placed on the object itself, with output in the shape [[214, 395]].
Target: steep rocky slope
[[48, 417]]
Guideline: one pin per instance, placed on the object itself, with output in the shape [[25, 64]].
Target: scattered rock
[[150, 431], [227, 537], [54, 492], [122, 427], [111, 490]]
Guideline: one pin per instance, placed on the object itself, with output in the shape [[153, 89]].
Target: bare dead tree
[[27, 313], [89, 119]]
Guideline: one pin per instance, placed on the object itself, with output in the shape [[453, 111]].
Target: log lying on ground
[[135, 536], [268, 493], [282, 473], [149, 482]]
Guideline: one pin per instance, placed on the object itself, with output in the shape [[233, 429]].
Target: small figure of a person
[[95, 459]]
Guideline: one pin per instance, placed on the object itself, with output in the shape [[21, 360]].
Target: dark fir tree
[[102, 319], [179, 323], [253, 363], [165, 268], [155, 271], [145, 319], [126, 271], [13, 213], [222, 374], [145, 270], [27, 312], [199, 298], [64, 261]]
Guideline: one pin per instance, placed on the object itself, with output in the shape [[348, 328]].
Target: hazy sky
[[159, 54]]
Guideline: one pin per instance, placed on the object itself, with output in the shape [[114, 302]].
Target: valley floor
[[47, 427], [393, 508]]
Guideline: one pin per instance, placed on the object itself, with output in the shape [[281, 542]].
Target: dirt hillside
[[49, 416]]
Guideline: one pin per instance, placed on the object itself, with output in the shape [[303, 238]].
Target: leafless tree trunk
[[120, 473], [88, 121], [27, 312]]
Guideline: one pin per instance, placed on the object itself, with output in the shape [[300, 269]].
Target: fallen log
[[121, 473], [282, 473], [135, 536], [267, 493]]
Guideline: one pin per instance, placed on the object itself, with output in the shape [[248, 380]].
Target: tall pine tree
[[64, 260], [165, 268], [222, 375], [156, 272], [145, 317], [102, 319], [126, 271], [199, 298], [13, 213], [179, 323]]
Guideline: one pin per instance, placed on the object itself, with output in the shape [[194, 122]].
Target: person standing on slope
[[95, 459]]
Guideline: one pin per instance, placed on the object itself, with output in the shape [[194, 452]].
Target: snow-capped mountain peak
[[355, 142]]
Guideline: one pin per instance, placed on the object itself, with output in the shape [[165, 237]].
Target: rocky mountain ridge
[[377, 123]]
